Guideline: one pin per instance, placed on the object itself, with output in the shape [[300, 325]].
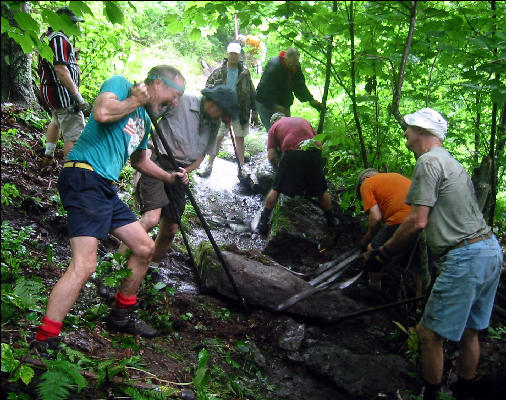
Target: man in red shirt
[[299, 171]]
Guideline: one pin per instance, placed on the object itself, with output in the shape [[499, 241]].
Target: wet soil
[[202, 320]]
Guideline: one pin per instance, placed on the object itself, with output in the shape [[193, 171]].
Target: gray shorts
[[70, 123], [238, 129], [152, 193]]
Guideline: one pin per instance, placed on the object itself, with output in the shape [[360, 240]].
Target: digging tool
[[324, 280], [160, 136], [235, 148]]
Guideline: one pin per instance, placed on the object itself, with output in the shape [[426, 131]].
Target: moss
[[205, 257]]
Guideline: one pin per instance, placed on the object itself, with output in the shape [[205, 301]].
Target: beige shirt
[[188, 132]]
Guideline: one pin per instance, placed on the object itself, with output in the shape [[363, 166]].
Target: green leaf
[[26, 22], [195, 34], [159, 285], [25, 373], [113, 12], [80, 8], [5, 25], [9, 363], [23, 40]]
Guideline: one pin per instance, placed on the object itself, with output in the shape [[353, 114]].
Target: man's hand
[[139, 93], [179, 176], [376, 259], [81, 104], [316, 104]]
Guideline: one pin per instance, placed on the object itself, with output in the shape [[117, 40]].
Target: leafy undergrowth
[[207, 348]]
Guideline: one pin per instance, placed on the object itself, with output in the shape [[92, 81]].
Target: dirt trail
[[196, 320]]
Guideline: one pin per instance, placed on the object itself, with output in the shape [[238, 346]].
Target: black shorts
[[300, 173], [92, 204], [152, 193]]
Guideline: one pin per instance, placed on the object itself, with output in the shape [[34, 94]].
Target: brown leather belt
[[471, 241]]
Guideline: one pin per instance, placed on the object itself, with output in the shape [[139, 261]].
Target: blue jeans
[[463, 294]]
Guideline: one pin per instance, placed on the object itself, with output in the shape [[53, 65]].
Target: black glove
[[375, 261], [80, 104]]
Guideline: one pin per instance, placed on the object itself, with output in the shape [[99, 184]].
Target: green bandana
[[167, 82]]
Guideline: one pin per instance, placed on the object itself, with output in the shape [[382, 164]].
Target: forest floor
[[193, 326]]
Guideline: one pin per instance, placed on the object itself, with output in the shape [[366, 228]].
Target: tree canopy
[[371, 61]]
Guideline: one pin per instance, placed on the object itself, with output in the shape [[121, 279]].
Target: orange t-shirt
[[388, 191]]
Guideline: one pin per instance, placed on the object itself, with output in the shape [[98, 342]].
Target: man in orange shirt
[[383, 196]]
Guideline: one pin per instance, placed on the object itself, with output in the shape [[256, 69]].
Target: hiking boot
[[206, 172], [126, 320], [44, 348]]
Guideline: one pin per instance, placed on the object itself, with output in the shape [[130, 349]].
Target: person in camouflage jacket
[[234, 74]]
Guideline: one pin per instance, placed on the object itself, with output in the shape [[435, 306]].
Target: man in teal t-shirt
[[117, 130]]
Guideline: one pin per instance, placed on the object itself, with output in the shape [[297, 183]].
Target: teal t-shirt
[[107, 146], [232, 75]]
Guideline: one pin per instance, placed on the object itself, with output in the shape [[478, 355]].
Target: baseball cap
[[360, 178], [430, 120], [67, 11], [234, 47], [226, 99]]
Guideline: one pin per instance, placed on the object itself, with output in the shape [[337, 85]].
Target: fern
[[57, 381], [27, 293]]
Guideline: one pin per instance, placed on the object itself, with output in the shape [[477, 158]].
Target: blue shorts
[[463, 294], [92, 204]]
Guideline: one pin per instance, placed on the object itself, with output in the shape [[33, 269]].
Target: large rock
[[263, 282], [361, 375]]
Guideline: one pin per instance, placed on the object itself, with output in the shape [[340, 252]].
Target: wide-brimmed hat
[[361, 177], [234, 47], [226, 99], [428, 119], [67, 11]]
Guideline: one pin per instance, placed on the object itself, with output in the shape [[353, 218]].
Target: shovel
[[241, 178], [324, 280]]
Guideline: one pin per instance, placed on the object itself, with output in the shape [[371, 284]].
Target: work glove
[[376, 261], [81, 104]]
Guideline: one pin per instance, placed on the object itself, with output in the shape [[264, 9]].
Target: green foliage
[[113, 268], [61, 377], [413, 344], [14, 249], [9, 193], [497, 332], [15, 369]]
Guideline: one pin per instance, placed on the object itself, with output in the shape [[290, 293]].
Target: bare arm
[[408, 230], [375, 218], [272, 156], [142, 163], [108, 108], [63, 74], [194, 165]]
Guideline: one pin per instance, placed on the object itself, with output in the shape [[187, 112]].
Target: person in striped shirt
[[59, 90]]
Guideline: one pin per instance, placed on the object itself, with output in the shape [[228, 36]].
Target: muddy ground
[[198, 320]]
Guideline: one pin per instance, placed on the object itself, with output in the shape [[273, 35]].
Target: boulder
[[263, 282]]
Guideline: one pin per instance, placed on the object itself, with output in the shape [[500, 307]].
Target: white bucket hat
[[234, 48], [428, 119]]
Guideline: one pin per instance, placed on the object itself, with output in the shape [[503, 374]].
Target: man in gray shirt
[[190, 131], [443, 202]]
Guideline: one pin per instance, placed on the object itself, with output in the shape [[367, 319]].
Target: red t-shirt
[[287, 133], [388, 191]]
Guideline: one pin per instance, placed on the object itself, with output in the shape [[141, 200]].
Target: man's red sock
[[48, 329], [124, 301]]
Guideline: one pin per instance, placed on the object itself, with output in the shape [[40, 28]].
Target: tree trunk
[[351, 19], [16, 66], [400, 78], [330, 46]]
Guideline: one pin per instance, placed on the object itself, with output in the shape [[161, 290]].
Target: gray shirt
[[188, 131], [441, 182]]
